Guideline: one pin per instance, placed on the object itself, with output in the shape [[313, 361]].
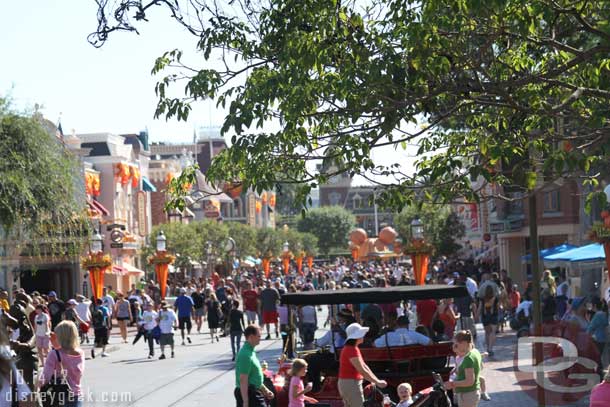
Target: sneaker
[[485, 396], [162, 357], [150, 356], [217, 338], [92, 354], [188, 339], [172, 355], [277, 335], [233, 358], [183, 343], [105, 355], [267, 337]]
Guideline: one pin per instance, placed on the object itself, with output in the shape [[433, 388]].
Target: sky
[[45, 59]]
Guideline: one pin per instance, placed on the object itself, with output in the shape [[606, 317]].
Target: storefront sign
[[142, 223]]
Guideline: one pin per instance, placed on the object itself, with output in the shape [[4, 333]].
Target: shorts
[[489, 319], [166, 339], [270, 317], [468, 399], [122, 318], [351, 392], [184, 322], [101, 336], [199, 312], [251, 315], [42, 342]]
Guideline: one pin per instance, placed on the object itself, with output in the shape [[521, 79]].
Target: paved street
[[202, 373]]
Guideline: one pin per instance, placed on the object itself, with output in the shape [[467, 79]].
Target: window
[[357, 201], [551, 201], [334, 198]]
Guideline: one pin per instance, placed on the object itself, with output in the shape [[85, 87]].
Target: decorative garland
[[96, 260], [161, 258], [419, 246]]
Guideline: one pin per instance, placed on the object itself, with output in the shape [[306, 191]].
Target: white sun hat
[[356, 331]]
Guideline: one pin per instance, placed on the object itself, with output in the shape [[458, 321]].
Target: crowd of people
[[44, 333]]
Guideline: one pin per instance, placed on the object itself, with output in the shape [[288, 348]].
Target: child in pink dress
[[296, 391]]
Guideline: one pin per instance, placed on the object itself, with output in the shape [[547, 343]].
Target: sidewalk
[[114, 340], [499, 373]]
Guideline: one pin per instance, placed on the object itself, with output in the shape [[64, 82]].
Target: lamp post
[[286, 257], [420, 252], [161, 260], [208, 252], [96, 263]]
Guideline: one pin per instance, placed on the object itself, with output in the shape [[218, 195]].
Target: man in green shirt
[[249, 388]]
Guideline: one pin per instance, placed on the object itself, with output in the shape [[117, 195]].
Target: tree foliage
[[442, 227], [330, 225], [41, 186], [509, 92]]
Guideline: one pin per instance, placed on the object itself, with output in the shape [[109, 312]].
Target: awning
[[549, 252], [126, 268], [132, 270], [99, 207], [591, 252], [118, 270], [148, 186]]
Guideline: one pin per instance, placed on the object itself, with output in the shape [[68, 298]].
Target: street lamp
[[286, 247], [95, 244], [417, 229], [208, 251], [161, 242]]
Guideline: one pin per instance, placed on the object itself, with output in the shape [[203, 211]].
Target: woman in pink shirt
[[70, 358], [600, 395]]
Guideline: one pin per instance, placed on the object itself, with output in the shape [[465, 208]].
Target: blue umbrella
[[545, 253], [590, 252]]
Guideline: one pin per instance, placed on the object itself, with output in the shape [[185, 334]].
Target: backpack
[[98, 318]]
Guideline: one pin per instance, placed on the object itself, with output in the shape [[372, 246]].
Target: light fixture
[[161, 242], [95, 244], [607, 192], [286, 247], [417, 229]]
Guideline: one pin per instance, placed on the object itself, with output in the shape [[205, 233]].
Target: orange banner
[[96, 276], [162, 271], [310, 262], [266, 264], [299, 261], [135, 176], [420, 267], [355, 254], [286, 264]]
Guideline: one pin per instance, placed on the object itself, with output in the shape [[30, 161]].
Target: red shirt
[[425, 311], [346, 369], [515, 299], [250, 298]]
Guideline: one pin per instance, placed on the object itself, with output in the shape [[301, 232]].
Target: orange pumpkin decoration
[[358, 236], [387, 235]]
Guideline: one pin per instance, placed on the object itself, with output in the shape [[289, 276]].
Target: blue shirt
[[597, 326], [184, 304]]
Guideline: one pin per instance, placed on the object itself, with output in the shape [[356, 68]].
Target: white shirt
[[471, 286], [149, 320], [525, 306], [108, 302], [167, 320], [405, 403], [402, 337], [41, 322], [326, 340], [83, 310]]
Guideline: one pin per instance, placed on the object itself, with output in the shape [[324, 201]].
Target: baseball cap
[[356, 331], [52, 294], [183, 291], [72, 301]]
